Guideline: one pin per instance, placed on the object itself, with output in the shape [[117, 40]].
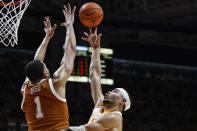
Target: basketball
[[91, 14]]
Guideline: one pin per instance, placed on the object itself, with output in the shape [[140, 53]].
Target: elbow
[[94, 75], [72, 46], [69, 69], [91, 73], [94, 72], [73, 49]]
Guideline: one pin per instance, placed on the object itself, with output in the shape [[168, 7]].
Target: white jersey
[[98, 112]]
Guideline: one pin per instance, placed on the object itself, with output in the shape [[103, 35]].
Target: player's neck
[[109, 108], [35, 82]]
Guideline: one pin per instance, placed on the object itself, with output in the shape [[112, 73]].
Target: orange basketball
[[91, 14]]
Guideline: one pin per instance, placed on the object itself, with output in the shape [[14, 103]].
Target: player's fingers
[[45, 19], [45, 24], [99, 36], [73, 12], [86, 39], [95, 31], [65, 8], [90, 30], [48, 18], [64, 12], [86, 34], [49, 21], [54, 27], [69, 8]]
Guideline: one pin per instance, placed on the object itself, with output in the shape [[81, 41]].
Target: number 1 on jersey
[[38, 107]]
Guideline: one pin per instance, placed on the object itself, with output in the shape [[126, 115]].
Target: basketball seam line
[[89, 9], [90, 18]]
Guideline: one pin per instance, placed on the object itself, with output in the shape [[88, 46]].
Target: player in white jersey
[[107, 114]]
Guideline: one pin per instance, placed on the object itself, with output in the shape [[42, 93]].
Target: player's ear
[[123, 101], [45, 74]]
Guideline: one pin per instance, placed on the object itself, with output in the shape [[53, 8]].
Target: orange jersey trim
[[99, 106]]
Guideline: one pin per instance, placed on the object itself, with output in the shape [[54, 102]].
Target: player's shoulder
[[42, 83], [111, 117], [110, 120]]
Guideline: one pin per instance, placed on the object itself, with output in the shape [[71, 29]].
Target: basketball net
[[10, 17]]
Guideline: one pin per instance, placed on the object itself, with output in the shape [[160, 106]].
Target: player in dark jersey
[[44, 101]]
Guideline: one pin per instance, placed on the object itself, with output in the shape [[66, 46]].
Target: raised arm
[[41, 51], [65, 70], [95, 66], [70, 41], [49, 30]]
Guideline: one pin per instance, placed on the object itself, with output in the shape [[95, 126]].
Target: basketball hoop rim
[[12, 3]]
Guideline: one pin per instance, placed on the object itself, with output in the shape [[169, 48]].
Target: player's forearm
[[93, 126], [95, 65], [70, 49], [95, 75], [41, 51], [66, 44], [69, 61], [88, 127], [72, 38], [96, 90], [70, 41]]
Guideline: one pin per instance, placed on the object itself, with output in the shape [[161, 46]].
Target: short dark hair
[[34, 70]]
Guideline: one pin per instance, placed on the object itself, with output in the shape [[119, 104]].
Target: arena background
[[155, 53]]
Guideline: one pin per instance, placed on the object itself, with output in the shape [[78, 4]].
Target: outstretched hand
[[69, 15], [49, 30], [92, 38]]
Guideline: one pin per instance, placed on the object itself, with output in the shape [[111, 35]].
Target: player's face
[[113, 97]]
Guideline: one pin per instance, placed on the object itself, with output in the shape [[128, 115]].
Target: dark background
[[155, 50]]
